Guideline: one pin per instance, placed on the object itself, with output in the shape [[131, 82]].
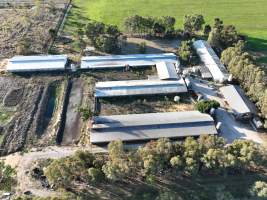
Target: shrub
[[85, 112], [95, 175], [259, 189], [142, 47], [206, 105]]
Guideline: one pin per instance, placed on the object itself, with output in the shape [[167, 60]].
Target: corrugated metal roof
[[205, 73], [234, 99], [37, 63], [140, 127], [115, 61], [211, 61], [166, 70], [139, 87]]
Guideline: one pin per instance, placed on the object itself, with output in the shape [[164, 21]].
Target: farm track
[[73, 122]]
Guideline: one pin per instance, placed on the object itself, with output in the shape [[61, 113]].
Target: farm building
[[166, 71], [235, 98], [37, 63], [139, 87], [134, 60], [211, 61], [150, 126], [205, 73]]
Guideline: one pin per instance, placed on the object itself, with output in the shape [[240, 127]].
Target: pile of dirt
[[13, 97]]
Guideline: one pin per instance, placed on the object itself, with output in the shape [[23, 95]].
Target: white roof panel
[[211, 61], [37, 63], [139, 87], [116, 61], [166, 71], [234, 99]]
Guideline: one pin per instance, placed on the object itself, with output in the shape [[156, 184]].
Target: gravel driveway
[[230, 128]]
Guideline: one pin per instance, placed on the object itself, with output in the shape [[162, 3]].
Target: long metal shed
[[139, 87], [234, 98], [150, 126], [118, 61], [37, 63], [211, 61]]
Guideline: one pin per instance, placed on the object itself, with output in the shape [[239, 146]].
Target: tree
[[246, 154], [214, 159], [133, 23], [207, 29], [113, 30], [156, 156], [117, 167], [95, 175], [187, 53], [214, 39], [94, 29], [177, 162], [159, 29], [65, 171], [7, 175], [222, 37], [191, 155], [193, 23], [103, 37], [205, 106], [259, 189], [142, 47]]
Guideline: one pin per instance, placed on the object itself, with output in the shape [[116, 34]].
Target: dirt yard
[[149, 104], [131, 105], [21, 112], [28, 28], [152, 45]]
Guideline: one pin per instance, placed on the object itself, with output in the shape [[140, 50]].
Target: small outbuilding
[[37, 63], [150, 126], [235, 98], [119, 61]]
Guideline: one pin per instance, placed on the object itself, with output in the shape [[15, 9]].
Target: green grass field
[[249, 16]]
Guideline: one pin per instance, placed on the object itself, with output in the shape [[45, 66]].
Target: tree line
[[252, 78], [163, 26], [192, 157]]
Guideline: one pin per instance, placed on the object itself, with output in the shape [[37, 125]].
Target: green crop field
[[249, 16]]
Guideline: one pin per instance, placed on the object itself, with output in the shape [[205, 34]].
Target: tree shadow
[[257, 44]]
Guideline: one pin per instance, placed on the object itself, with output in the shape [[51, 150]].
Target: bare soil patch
[[148, 104], [18, 118], [73, 119], [152, 45], [28, 23]]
